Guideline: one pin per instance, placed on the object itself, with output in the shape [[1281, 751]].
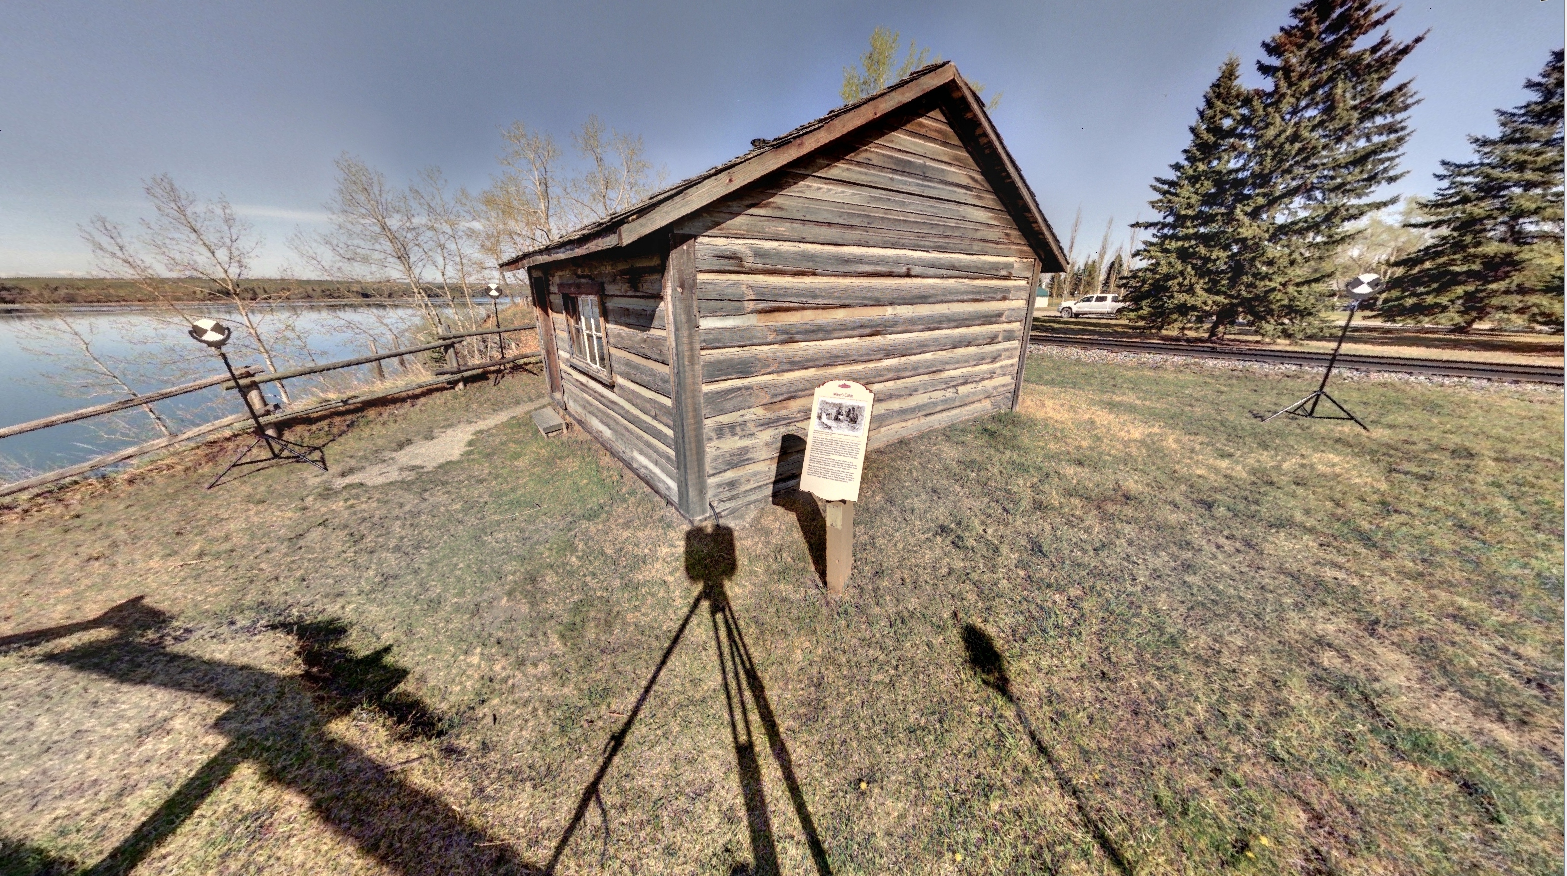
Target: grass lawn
[[1127, 629]]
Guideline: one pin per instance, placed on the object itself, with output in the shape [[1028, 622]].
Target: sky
[[253, 101]]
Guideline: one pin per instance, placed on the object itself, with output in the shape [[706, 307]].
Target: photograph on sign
[[845, 417], [835, 441]]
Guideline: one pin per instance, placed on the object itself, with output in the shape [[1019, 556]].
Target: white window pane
[[588, 336]]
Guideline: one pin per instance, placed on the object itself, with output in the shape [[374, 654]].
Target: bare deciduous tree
[[423, 236], [444, 245], [203, 247], [448, 241], [374, 234], [536, 198], [522, 209], [616, 176]]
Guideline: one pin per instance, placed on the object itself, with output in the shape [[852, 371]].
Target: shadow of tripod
[[710, 562]]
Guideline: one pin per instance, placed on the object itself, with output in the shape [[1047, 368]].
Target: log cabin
[[892, 242]]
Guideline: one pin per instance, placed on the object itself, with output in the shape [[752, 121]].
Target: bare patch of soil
[[448, 446]]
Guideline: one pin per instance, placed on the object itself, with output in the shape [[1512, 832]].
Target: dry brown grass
[[1129, 628]]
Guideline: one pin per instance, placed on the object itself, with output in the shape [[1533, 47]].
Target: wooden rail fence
[[250, 379]]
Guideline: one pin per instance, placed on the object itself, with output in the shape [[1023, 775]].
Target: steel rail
[[1434, 367]]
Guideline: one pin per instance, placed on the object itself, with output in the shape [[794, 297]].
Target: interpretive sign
[[835, 441]]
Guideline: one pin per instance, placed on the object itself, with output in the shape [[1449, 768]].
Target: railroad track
[[1433, 367]]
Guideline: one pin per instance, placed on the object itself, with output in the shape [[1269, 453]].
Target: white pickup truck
[[1092, 305]]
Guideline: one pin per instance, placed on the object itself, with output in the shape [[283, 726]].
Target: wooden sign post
[[834, 455]]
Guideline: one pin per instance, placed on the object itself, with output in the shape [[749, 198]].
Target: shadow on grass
[[788, 496], [19, 858], [987, 664], [710, 562], [278, 723]]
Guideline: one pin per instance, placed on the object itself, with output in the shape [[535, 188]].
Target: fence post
[[454, 360], [258, 400], [380, 372]]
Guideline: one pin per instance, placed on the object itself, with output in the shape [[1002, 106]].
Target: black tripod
[[277, 448], [1307, 407]]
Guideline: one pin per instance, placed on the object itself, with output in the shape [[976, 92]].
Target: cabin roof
[[940, 82]]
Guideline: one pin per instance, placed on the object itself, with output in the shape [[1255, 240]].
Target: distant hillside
[[88, 290]]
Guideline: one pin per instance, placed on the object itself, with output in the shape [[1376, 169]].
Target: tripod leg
[[284, 446], [1293, 409], [236, 462], [1346, 412]]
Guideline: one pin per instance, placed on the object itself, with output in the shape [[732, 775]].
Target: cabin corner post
[[539, 287], [685, 377], [1028, 329]]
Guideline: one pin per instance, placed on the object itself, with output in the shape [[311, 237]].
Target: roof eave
[[608, 239]]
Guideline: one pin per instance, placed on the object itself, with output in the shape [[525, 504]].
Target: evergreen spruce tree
[[1184, 267], [1327, 131], [1306, 152], [1497, 250]]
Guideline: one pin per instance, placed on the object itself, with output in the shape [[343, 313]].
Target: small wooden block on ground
[[548, 421]]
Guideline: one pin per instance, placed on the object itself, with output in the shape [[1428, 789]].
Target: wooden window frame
[[581, 332]]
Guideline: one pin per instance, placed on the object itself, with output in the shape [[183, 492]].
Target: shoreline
[[132, 306]]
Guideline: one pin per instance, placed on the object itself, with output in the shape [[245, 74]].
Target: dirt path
[[422, 455]]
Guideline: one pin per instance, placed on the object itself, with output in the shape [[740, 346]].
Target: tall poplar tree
[[1322, 135], [1497, 250], [1186, 263]]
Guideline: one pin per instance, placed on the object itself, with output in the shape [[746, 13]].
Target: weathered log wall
[[631, 414], [891, 262]]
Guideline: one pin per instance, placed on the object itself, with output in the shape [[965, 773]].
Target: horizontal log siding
[[751, 421], [835, 206], [644, 457], [835, 324], [890, 262], [788, 228], [730, 294], [642, 409], [755, 483], [632, 415], [769, 359], [740, 395], [906, 189], [736, 444]]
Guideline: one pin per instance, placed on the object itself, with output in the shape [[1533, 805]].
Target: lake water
[[45, 369]]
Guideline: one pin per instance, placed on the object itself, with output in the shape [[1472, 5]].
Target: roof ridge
[[673, 189]]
